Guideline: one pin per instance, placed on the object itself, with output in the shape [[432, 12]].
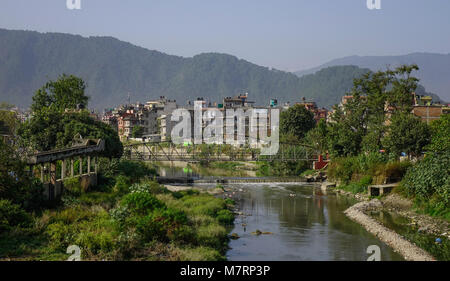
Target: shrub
[[141, 203], [430, 179], [342, 169], [358, 187], [72, 186], [122, 184], [12, 215], [212, 235], [225, 217], [135, 170], [150, 186]]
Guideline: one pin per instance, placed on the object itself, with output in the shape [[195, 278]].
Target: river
[[298, 223]]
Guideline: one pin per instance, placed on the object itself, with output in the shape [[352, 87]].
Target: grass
[[144, 221]]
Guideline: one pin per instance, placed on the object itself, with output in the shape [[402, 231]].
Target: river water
[[298, 222], [304, 224]]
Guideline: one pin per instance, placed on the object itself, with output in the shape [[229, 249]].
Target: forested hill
[[113, 68], [434, 70]]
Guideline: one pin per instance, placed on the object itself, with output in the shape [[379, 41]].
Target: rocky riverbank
[[394, 203], [408, 250]]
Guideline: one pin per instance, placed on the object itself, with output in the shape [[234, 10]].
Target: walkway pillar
[[42, 172], [96, 164], [81, 165], [63, 169], [71, 167], [89, 164], [53, 173]]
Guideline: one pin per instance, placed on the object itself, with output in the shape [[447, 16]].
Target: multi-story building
[[428, 111], [319, 113]]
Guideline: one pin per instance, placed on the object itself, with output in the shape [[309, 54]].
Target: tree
[[56, 120], [137, 131], [360, 124], [407, 133], [296, 121], [67, 92], [440, 134], [318, 137], [16, 184]]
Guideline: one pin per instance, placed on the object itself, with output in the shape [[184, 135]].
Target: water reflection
[[305, 225]]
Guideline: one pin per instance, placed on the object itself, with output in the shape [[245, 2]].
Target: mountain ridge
[[434, 72], [113, 68]]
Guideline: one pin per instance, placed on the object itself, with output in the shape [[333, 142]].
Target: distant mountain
[[113, 68], [434, 71]]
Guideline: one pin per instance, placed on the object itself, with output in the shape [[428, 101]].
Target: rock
[[234, 236], [257, 232]]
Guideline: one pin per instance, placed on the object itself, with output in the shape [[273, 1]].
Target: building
[[237, 101], [426, 109], [319, 113]]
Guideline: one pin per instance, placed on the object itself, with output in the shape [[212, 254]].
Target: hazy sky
[[285, 34]]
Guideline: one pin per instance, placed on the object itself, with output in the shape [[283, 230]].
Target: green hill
[[434, 70], [112, 69]]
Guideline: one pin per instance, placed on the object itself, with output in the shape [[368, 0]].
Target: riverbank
[[416, 229], [408, 250]]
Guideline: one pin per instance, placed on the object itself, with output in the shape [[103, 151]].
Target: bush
[[390, 172], [358, 187], [429, 180], [134, 170], [12, 215], [150, 186], [225, 217], [141, 203], [161, 225], [342, 169], [122, 184], [72, 186]]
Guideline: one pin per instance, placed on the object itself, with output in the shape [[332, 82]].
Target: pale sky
[[284, 34]]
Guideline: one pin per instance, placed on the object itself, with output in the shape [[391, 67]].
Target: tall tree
[[296, 121], [407, 133], [58, 116]]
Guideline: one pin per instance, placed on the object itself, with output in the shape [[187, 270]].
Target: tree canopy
[[57, 118], [296, 121]]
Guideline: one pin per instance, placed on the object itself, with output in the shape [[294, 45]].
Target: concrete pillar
[[63, 169], [89, 164], [71, 167], [96, 165], [81, 165], [53, 173], [42, 172]]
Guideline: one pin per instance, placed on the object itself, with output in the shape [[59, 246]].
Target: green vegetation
[[56, 119], [121, 67], [429, 183], [296, 121], [140, 221], [440, 131], [373, 166]]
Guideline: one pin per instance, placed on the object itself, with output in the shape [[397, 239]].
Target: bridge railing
[[167, 151]]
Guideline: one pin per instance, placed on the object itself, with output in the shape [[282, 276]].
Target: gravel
[[408, 250]]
